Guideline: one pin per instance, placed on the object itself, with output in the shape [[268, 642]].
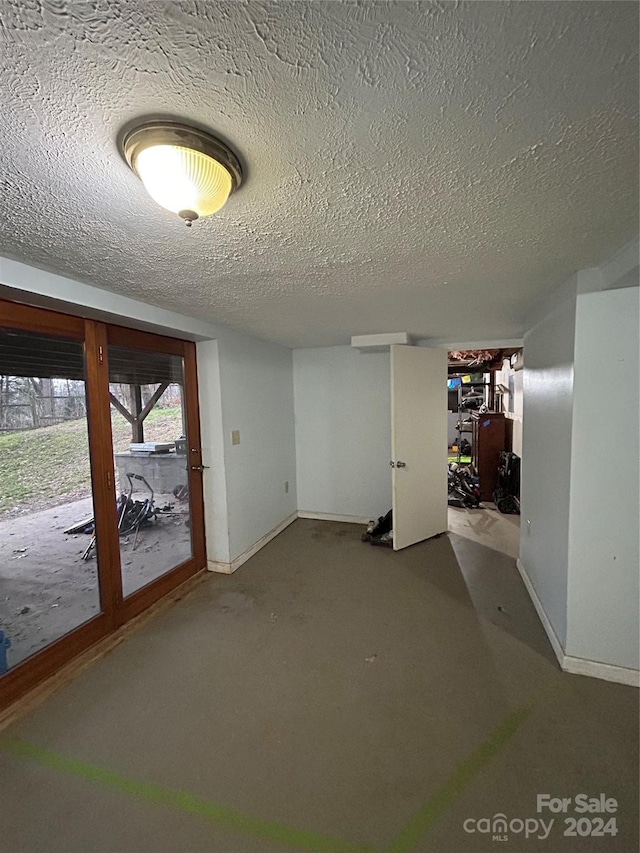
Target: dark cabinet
[[489, 436]]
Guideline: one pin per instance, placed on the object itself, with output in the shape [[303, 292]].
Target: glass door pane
[[48, 560], [149, 426]]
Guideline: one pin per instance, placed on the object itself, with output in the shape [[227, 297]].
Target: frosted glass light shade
[[184, 169], [183, 179]]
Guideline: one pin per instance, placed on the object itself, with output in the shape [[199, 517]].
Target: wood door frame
[[147, 595], [16, 315], [102, 469], [115, 610]]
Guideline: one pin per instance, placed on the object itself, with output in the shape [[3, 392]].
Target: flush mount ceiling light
[[185, 170]]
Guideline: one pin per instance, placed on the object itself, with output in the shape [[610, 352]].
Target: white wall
[[546, 455], [580, 468], [245, 384], [256, 380], [604, 561], [343, 431]]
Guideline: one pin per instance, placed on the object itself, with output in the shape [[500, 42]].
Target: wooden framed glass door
[[70, 573], [157, 464]]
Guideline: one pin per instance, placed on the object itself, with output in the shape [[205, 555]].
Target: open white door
[[419, 443]]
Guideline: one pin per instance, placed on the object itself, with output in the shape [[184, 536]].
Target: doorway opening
[[484, 445]]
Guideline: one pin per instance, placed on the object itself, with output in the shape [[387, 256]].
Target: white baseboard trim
[[605, 671], [229, 568], [574, 665], [327, 516], [219, 567], [556, 645]]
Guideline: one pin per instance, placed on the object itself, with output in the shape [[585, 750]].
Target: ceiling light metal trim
[[175, 135]]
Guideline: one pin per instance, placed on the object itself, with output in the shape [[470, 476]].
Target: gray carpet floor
[[329, 696]]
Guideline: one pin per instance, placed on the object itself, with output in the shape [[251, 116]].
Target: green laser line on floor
[[274, 831]]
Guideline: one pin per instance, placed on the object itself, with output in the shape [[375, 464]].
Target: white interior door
[[419, 443]]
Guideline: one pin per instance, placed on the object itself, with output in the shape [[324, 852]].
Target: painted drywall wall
[[603, 593], [546, 454], [580, 467], [343, 431], [257, 402], [245, 384]]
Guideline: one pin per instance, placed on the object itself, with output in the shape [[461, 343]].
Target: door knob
[[401, 464], [392, 463], [198, 467]]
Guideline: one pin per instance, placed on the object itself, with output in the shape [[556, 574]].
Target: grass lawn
[[48, 466]]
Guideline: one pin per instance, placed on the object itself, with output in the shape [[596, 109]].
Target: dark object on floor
[[463, 486], [508, 505], [507, 493], [134, 514], [385, 539], [380, 532], [377, 528]]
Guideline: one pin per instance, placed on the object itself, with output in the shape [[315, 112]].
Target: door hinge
[[100, 355]]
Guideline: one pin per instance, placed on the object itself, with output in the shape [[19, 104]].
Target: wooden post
[[137, 425], [137, 416]]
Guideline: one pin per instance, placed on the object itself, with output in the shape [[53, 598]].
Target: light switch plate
[[235, 436]]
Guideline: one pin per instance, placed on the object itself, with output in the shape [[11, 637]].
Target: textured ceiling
[[430, 167]]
